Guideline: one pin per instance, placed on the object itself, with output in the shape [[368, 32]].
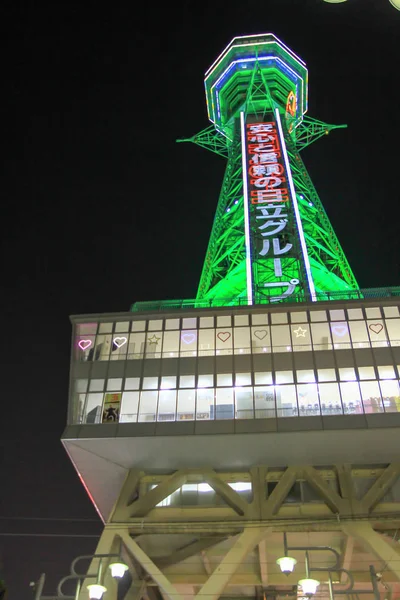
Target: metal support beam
[[376, 544], [188, 551], [121, 511], [278, 495], [148, 565], [381, 486], [141, 507], [262, 558], [347, 555], [226, 492], [246, 541], [330, 497]]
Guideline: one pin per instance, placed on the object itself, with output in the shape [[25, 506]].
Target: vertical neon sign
[[246, 209]]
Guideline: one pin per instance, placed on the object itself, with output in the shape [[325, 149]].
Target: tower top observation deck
[[229, 78]]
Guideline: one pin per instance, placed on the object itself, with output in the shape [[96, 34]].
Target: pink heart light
[[339, 330], [84, 344], [188, 338], [376, 327], [119, 341], [260, 334], [223, 336]]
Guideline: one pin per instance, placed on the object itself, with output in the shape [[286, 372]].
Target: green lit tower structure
[[271, 240]]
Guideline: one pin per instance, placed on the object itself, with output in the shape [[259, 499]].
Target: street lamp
[[118, 569], [96, 591], [287, 564], [309, 586]]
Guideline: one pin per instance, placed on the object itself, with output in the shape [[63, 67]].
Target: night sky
[[101, 207]]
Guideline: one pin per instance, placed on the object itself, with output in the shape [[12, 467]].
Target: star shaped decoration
[[154, 339], [300, 332]]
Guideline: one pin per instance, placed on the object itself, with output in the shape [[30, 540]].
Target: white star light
[[300, 332]]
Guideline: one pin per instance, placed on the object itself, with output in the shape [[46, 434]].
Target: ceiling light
[[96, 591], [118, 569], [286, 564], [309, 586]]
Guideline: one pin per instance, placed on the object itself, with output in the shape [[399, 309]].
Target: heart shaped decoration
[[84, 344], [188, 338], [223, 336], [376, 327], [119, 341], [339, 330], [261, 334]]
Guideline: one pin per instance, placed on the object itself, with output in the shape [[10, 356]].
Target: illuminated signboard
[[276, 262]]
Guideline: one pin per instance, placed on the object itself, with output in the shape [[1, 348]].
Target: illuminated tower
[[271, 239], [218, 435]]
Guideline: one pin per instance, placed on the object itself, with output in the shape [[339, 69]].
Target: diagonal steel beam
[[381, 486]]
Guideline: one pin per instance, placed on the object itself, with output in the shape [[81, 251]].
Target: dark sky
[[101, 208]]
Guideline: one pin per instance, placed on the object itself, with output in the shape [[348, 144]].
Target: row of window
[[167, 382], [250, 402], [239, 340], [238, 320]]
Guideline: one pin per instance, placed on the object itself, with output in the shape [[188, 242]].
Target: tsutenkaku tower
[[271, 239]]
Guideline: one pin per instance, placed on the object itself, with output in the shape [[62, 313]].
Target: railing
[[361, 294]]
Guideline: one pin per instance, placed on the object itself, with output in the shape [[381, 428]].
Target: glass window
[[280, 335], [386, 372], [373, 313], [168, 383], [262, 378], [206, 342], [326, 375], [119, 347], [301, 339], [264, 402], [136, 345], [132, 383], [186, 405], [224, 341], [347, 374], [366, 373], [105, 327], [172, 324], [260, 339], [243, 379], [224, 321], [78, 401], [393, 329], [244, 403], [330, 398], [86, 329], [286, 400], [240, 320], [355, 313], [305, 376], [81, 385], [224, 379], [321, 336], [96, 385], [93, 408], [189, 323], [186, 381], [337, 315], [129, 407], [167, 405], [318, 315], [138, 325], [150, 383], [377, 333], [390, 395], [391, 311], [308, 399], [284, 377], [189, 342], [205, 381], [206, 322], [148, 406], [114, 383], [350, 394], [84, 347], [121, 327], [155, 325], [242, 340], [340, 335], [279, 318], [298, 317], [359, 334], [371, 396], [224, 407], [205, 403], [154, 341], [259, 319], [171, 343]]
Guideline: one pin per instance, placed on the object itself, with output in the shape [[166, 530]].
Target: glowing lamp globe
[[309, 586], [96, 591], [395, 3], [286, 564], [118, 569], [334, 1]]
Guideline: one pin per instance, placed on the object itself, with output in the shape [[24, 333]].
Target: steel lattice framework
[[259, 80]]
